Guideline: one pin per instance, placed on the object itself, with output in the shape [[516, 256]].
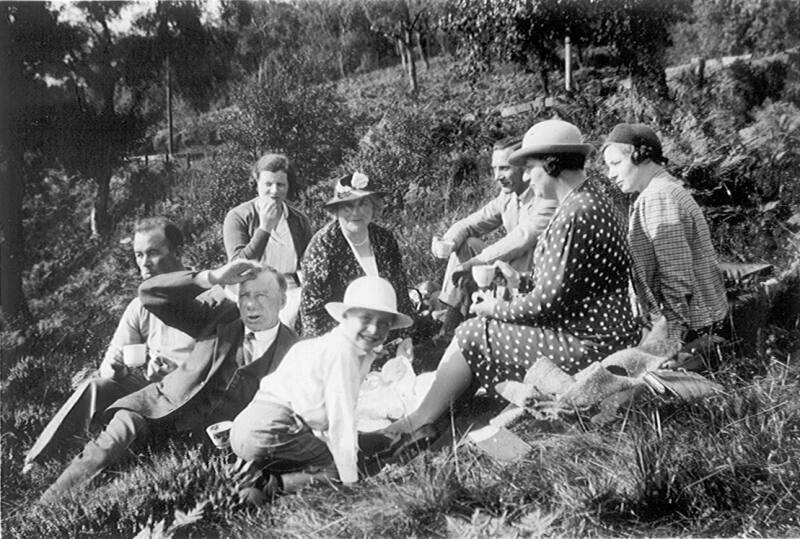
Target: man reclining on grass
[[156, 246], [303, 417], [235, 348]]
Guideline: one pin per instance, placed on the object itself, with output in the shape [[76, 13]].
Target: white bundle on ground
[[392, 392]]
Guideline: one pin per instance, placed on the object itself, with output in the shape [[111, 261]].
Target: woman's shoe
[[410, 444]]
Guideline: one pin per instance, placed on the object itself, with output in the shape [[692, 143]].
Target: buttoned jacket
[[217, 361]]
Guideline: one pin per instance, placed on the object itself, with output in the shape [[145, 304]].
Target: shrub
[[285, 112]]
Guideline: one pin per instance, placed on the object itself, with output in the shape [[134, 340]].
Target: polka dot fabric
[[578, 311]]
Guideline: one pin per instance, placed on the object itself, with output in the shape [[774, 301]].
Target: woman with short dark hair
[[270, 230]]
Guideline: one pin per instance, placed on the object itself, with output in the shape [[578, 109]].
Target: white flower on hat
[[342, 190], [360, 180]]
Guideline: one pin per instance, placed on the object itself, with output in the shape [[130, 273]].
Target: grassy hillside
[[726, 466]]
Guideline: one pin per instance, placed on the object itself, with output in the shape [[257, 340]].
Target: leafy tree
[[403, 22], [527, 33], [733, 27], [530, 33], [80, 93], [33, 44], [269, 34], [116, 80], [340, 24], [639, 31]]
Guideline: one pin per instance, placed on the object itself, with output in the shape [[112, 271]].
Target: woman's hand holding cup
[[483, 274], [511, 275]]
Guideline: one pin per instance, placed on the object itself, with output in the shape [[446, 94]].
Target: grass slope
[[726, 466]]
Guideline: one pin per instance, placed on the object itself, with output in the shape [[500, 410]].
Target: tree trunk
[[12, 189], [101, 219], [408, 45], [341, 41], [422, 49], [12, 252], [442, 40], [401, 51], [168, 84], [545, 76]]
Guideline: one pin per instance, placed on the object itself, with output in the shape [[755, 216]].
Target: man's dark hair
[[171, 231], [513, 143]]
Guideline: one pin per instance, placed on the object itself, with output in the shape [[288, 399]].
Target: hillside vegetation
[[726, 466]]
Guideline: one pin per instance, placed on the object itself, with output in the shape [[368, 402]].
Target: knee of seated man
[[472, 246], [253, 440], [243, 439], [132, 421]]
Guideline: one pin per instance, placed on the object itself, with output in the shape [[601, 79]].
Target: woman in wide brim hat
[[348, 247], [577, 310]]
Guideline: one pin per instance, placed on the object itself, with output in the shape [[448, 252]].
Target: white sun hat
[[373, 293], [550, 137]]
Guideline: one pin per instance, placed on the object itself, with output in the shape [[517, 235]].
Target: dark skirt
[[498, 351]]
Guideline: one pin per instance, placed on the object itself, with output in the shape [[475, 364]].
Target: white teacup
[[134, 355], [220, 433], [483, 275], [442, 248]]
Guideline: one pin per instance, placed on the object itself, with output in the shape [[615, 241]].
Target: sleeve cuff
[[201, 279], [348, 474]]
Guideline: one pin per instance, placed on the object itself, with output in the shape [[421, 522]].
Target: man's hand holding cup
[[158, 367], [441, 247]]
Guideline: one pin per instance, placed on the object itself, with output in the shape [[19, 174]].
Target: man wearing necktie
[[219, 378]]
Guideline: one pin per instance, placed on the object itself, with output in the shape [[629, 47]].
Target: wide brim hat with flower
[[349, 188]]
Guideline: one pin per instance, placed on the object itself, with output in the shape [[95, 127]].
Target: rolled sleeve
[[481, 222], [524, 237]]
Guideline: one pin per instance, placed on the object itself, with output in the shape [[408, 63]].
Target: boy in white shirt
[[303, 415]]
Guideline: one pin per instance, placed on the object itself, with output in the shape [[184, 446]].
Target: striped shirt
[[676, 271]]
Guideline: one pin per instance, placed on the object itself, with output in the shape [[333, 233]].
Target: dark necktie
[[247, 347]]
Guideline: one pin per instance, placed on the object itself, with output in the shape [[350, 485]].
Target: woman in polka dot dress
[[578, 310]]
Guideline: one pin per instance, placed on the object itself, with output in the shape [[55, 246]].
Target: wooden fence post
[[567, 64]]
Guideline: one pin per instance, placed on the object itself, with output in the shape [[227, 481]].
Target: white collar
[[527, 195], [264, 336]]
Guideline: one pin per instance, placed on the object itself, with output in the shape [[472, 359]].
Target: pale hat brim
[[353, 194], [337, 309], [519, 157]]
